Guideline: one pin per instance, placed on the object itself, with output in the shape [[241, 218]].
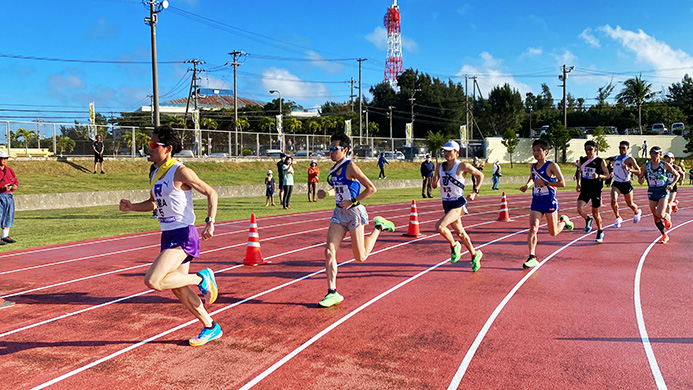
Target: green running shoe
[[455, 252], [530, 263], [331, 300], [476, 261], [568, 225], [383, 224]]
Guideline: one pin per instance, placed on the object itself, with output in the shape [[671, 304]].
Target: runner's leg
[[464, 237], [534, 218], [442, 224], [163, 274], [335, 235], [191, 300]]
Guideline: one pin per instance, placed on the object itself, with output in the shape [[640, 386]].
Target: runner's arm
[[632, 166], [147, 205], [436, 177], [555, 171], [641, 175], [353, 172], [676, 174], [190, 179]]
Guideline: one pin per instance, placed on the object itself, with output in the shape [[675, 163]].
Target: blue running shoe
[[208, 287], [588, 224], [206, 335], [600, 236]]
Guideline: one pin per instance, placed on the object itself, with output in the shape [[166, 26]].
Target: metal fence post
[[132, 149], [8, 137], [55, 143]]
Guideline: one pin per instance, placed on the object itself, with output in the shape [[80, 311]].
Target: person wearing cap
[[545, 176], [349, 215], [427, 169], [313, 179], [496, 175], [624, 166], [171, 195], [593, 171], [269, 188], [449, 174], [658, 187], [8, 184], [672, 204]]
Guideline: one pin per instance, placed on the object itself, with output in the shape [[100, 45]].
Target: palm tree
[[64, 143], [177, 122], [27, 135], [141, 138], [267, 123], [636, 91], [314, 126], [209, 123], [327, 122]]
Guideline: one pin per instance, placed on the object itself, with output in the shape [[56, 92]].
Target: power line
[[111, 62]]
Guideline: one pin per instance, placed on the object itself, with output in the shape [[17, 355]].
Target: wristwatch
[[354, 202], [476, 190], [208, 220]]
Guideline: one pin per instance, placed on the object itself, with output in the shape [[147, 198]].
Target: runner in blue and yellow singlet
[[658, 187], [545, 176]]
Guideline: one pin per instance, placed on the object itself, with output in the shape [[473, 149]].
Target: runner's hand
[[208, 231], [523, 188], [471, 196], [125, 205]]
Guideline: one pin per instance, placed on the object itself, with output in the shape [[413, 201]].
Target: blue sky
[[521, 43]]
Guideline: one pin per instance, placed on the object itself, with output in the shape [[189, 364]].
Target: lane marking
[[181, 326], [651, 359]]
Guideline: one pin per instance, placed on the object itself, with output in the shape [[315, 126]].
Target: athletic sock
[[5, 232], [331, 290], [660, 226]]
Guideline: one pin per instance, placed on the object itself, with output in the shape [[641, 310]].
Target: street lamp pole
[[392, 140], [154, 8], [280, 113]]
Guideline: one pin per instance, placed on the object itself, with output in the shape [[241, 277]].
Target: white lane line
[[651, 359], [181, 326], [318, 336]]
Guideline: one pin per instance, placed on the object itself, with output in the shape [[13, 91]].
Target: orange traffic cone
[[504, 216], [252, 251], [413, 230]]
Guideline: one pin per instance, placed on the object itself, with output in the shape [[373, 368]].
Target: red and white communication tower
[[393, 63]]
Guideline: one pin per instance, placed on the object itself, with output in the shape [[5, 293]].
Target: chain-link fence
[[39, 138]]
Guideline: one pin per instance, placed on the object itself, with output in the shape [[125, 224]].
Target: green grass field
[[46, 227]]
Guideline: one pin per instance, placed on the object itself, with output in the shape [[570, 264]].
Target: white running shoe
[[617, 222], [464, 208], [636, 217]]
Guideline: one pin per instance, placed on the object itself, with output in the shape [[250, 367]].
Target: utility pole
[[193, 86], [466, 106], [360, 60], [564, 78], [235, 65], [412, 99], [471, 133], [351, 94], [366, 112], [154, 8], [392, 140]]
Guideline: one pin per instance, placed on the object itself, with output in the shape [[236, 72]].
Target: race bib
[[541, 191], [655, 180], [341, 192], [588, 172]]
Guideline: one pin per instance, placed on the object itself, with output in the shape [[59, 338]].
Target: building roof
[[214, 102]]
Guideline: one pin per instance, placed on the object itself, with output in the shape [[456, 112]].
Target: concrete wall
[[523, 153]]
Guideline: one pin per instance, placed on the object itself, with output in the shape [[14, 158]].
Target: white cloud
[[291, 87], [587, 36], [566, 58], [532, 52], [668, 63], [64, 84], [379, 39], [319, 61], [490, 74]]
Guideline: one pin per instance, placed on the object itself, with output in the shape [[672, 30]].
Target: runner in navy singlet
[[589, 184]]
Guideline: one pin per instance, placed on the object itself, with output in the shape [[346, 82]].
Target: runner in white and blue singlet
[[450, 175], [673, 203], [171, 195], [349, 214], [624, 166], [655, 172], [545, 176]]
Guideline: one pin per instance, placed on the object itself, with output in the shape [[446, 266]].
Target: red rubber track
[[408, 320]]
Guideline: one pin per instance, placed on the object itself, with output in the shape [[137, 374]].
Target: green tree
[[681, 95], [64, 144], [177, 122], [510, 142], [435, 141], [141, 138], [506, 108], [27, 135], [599, 138], [327, 122], [209, 123], [268, 123], [314, 126], [635, 92], [373, 129], [559, 138]]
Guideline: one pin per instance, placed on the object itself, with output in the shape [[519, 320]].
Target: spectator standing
[[682, 164], [427, 169], [280, 173], [381, 164], [496, 174], [97, 146], [690, 176], [8, 184], [643, 148], [269, 188], [313, 179], [288, 182]]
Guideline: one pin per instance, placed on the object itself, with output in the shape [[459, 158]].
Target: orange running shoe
[[667, 224], [664, 239]]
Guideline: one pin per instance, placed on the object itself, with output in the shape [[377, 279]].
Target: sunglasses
[[623, 147], [154, 145], [589, 149], [336, 148]]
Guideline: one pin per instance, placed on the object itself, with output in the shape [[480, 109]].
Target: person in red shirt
[[8, 184], [313, 178]]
